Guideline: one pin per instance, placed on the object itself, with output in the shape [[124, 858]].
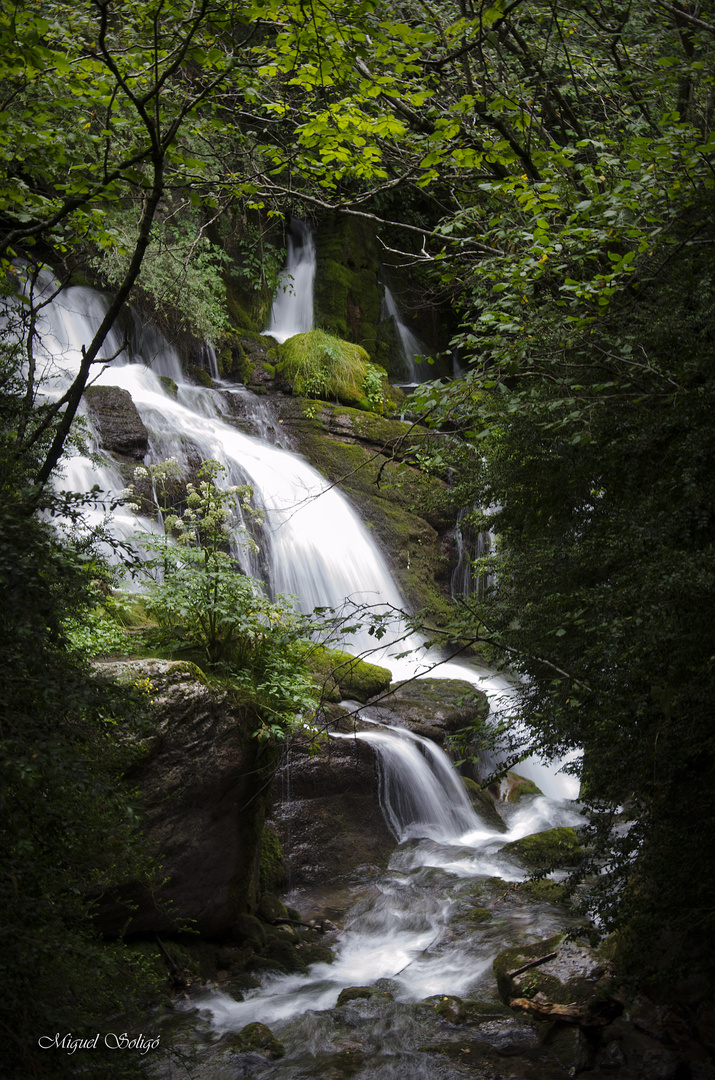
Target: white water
[[317, 548], [402, 931], [412, 347], [292, 310]]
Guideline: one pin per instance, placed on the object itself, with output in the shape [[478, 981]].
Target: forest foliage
[[546, 171]]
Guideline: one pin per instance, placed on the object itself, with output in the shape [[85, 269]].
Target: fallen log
[[597, 1013]]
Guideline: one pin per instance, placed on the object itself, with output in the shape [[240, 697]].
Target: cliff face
[[203, 783]]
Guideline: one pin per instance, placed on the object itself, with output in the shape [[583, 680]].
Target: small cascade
[[412, 347], [471, 545], [400, 930], [292, 310], [420, 793]]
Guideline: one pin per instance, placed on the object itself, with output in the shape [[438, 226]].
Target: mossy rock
[[347, 291], [357, 993], [272, 873], [169, 386], [258, 1039], [285, 954], [448, 1007], [199, 375], [512, 787], [551, 848], [483, 803], [476, 915], [545, 891], [251, 930], [341, 675], [271, 908], [510, 960], [319, 365], [316, 954]]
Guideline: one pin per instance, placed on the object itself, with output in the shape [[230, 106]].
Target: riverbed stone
[[569, 976]]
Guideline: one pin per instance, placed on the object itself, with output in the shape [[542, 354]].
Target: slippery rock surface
[[120, 425], [328, 818], [433, 708], [202, 782]]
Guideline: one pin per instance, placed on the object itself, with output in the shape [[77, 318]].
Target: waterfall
[[401, 930], [421, 795], [292, 310], [412, 347], [471, 545]]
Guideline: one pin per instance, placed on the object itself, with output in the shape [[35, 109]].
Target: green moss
[[512, 959], [554, 847], [320, 365], [483, 803], [356, 993], [317, 954], [257, 1038], [513, 787], [342, 675], [199, 375], [169, 385], [544, 890], [348, 294], [271, 869], [270, 908]]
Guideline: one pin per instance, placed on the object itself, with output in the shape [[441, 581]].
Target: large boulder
[[202, 780], [329, 819], [120, 425]]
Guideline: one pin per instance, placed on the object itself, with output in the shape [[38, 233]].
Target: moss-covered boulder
[[512, 787], [341, 675], [318, 365], [551, 848], [434, 708], [360, 993], [272, 872], [204, 797], [257, 1039], [483, 802]]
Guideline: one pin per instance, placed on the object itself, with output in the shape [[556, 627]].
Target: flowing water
[[412, 347], [404, 925], [292, 311]]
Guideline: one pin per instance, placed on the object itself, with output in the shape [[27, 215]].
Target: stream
[[406, 933]]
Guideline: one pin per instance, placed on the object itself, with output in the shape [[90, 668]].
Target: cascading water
[[412, 347], [292, 310], [318, 549]]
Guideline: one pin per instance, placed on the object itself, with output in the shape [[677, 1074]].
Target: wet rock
[[433, 708], [561, 972], [202, 788], [120, 425], [331, 825], [257, 1038], [512, 787], [357, 993], [551, 848]]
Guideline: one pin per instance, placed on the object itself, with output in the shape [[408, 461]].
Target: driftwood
[[597, 1013]]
